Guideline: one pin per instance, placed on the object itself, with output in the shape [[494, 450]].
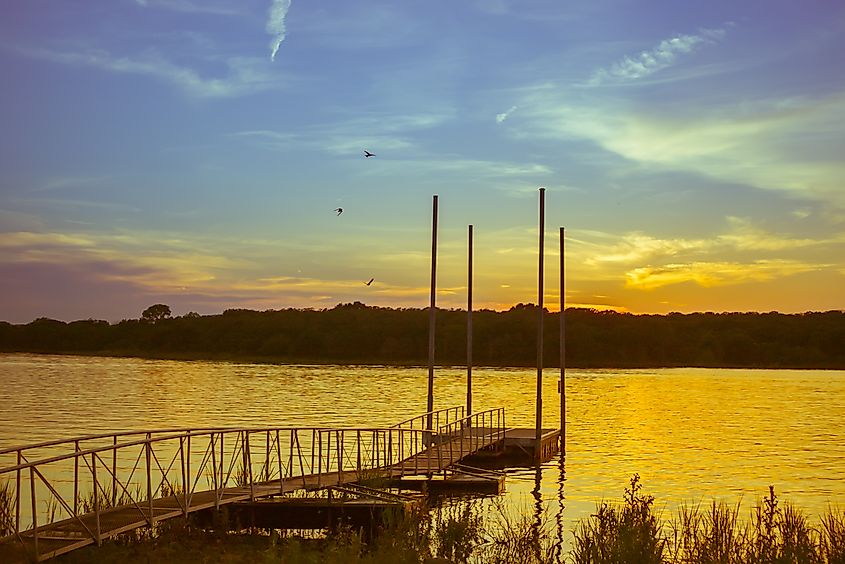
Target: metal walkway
[[62, 495]]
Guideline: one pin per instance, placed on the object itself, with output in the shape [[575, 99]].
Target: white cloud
[[664, 55], [505, 115], [766, 143], [276, 25], [378, 132], [243, 75]]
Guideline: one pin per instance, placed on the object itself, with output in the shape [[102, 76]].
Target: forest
[[354, 333]]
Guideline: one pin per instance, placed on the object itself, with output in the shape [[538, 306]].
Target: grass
[[469, 532], [7, 504], [774, 534]]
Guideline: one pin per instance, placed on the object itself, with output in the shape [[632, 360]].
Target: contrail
[[276, 24]]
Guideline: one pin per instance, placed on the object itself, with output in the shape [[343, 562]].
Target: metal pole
[[149, 478], [96, 497], [75, 478], [214, 470], [184, 476], [114, 473], [189, 487], [432, 309], [562, 345], [35, 511], [539, 413], [469, 320], [18, 493], [281, 464]]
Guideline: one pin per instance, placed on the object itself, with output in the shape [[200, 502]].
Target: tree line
[[354, 333]]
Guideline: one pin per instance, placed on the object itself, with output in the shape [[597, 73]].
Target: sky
[[192, 153]]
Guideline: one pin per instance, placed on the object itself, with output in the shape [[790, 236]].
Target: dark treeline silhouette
[[355, 333]]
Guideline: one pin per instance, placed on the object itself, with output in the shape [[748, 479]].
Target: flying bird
[[339, 210], [370, 282], [368, 154]]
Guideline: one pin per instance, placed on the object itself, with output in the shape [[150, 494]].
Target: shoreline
[[279, 361]]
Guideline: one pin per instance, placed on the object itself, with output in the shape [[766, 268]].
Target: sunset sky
[[191, 152]]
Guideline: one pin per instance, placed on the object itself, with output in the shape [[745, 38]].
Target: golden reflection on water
[[692, 434]]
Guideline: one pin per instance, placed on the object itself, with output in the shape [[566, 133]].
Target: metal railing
[[471, 434], [82, 486], [439, 417]]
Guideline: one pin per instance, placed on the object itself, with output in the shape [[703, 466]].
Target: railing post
[[214, 477], [319, 457], [290, 454], [149, 478], [248, 459], [281, 464], [339, 456], [96, 498], [184, 479], [375, 450], [359, 452], [34, 512], [18, 494], [114, 473], [328, 451], [189, 489], [220, 483], [267, 457], [390, 452], [75, 478], [451, 442], [313, 433]]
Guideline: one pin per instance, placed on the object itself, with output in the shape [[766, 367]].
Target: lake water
[[693, 435]]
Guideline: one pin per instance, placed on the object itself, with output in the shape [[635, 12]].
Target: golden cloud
[[709, 274]]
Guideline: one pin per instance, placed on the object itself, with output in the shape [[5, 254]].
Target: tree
[[155, 313]]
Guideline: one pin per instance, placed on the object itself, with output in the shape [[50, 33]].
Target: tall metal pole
[[469, 320], [431, 311], [539, 419], [562, 345]]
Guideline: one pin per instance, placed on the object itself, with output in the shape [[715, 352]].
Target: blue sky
[[159, 151]]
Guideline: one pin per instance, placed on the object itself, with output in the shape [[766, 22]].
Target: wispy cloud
[[505, 115], [770, 143], [276, 25], [242, 75], [189, 7], [378, 132], [63, 182], [664, 55]]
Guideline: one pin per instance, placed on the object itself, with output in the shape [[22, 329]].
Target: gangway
[[62, 495]]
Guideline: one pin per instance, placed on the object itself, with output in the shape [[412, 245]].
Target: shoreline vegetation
[[354, 333], [463, 532]]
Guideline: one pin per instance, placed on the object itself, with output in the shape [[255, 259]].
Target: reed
[[832, 537], [7, 509], [630, 533], [473, 532]]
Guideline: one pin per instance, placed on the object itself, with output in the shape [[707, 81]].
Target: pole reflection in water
[[559, 532], [537, 529]]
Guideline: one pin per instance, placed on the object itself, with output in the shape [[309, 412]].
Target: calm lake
[[693, 435]]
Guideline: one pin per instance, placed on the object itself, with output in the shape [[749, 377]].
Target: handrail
[[446, 411], [134, 470]]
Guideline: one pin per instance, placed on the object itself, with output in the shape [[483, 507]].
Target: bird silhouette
[[368, 154], [339, 210], [370, 282]]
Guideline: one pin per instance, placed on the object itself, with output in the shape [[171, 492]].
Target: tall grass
[[7, 509], [631, 531], [774, 534], [628, 533]]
